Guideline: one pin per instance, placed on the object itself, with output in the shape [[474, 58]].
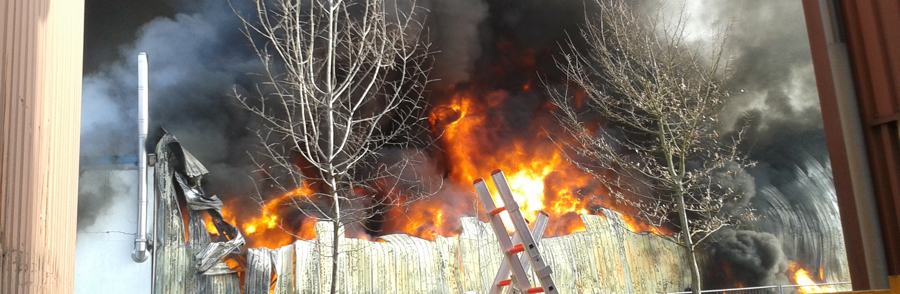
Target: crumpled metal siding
[[259, 271], [283, 263], [175, 269], [607, 258], [170, 255]]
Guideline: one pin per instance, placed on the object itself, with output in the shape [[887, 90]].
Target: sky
[[198, 57]]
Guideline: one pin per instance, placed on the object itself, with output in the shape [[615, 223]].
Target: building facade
[[41, 45]]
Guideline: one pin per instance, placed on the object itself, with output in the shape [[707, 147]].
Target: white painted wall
[[103, 250]]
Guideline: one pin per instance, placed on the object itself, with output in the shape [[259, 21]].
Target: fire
[[801, 277], [539, 176], [639, 227], [209, 224], [270, 228]]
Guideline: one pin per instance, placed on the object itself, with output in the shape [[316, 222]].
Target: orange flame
[[269, 229], [209, 224], [801, 277], [538, 174]]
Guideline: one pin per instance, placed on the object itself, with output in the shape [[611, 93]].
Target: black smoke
[[197, 55], [776, 99], [749, 258]]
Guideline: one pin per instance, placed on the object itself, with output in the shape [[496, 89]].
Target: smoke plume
[[197, 55], [749, 258]]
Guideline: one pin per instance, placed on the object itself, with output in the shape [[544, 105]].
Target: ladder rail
[[541, 269], [503, 273], [505, 243], [524, 239]]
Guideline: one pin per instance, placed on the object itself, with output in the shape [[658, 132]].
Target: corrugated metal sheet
[[170, 248], [306, 260], [40, 106], [259, 271], [189, 263], [283, 263], [607, 258]]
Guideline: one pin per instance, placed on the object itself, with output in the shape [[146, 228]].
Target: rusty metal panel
[[606, 271], [608, 247], [607, 258], [585, 262], [41, 44], [559, 257]]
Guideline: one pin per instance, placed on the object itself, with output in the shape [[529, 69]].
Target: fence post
[[780, 289]]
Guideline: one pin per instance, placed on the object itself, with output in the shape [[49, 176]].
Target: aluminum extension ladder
[[523, 240]]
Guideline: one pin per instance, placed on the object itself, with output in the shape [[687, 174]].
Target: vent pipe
[[141, 243]]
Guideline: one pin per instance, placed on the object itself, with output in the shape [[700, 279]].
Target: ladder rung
[[536, 290], [505, 283], [498, 210], [516, 249]]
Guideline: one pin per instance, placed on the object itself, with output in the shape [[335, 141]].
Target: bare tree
[[344, 85], [659, 97]]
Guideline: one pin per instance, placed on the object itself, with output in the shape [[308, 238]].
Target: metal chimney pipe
[[141, 245]]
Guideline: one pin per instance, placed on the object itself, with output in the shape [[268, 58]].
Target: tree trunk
[[695, 271], [336, 233], [688, 244], [334, 256]]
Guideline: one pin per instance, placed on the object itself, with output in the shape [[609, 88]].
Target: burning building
[[491, 112], [605, 256]]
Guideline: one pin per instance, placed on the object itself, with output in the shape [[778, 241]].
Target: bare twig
[[662, 97]]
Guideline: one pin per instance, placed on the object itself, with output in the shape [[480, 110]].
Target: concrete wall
[[40, 105]]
